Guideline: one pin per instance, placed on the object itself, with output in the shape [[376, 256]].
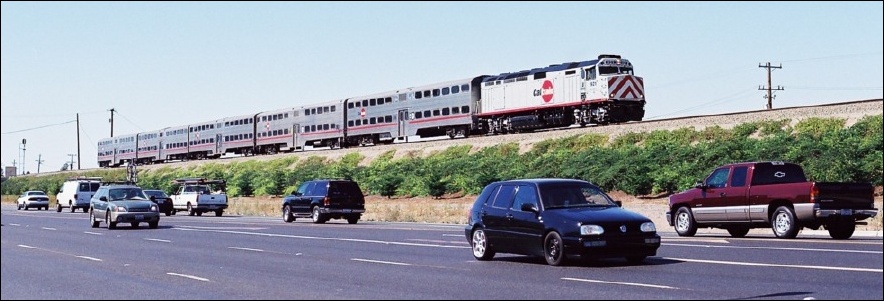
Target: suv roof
[[83, 179]]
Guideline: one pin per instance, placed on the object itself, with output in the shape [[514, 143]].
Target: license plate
[[846, 212], [213, 207], [139, 216], [348, 210]]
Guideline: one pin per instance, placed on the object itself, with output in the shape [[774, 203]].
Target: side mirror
[[528, 207], [153, 198], [619, 203], [700, 185], [103, 199]]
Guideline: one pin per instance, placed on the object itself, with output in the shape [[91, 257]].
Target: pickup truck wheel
[[219, 213], [317, 216], [190, 210], [287, 214], [352, 220], [481, 250], [783, 223], [554, 249], [738, 231], [684, 222], [199, 213], [842, 230]]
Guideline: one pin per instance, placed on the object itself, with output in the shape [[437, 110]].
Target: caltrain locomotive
[[599, 92]]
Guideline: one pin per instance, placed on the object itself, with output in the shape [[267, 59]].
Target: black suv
[[322, 200]]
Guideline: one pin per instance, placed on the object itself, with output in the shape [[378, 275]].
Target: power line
[[841, 56], [837, 88], [706, 104], [130, 121], [37, 128]]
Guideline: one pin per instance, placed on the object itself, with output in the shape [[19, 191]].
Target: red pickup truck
[[777, 195]]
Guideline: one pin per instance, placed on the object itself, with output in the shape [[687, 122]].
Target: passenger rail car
[[599, 92]]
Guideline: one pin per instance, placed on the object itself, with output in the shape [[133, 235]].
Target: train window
[[497, 82], [569, 72], [539, 75], [325, 127], [365, 102], [445, 91], [372, 120], [427, 114], [435, 92], [590, 73], [333, 108], [402, 97], [388, 100], [358, 104], [286, 115], [313, 128], [358, 122], [226, 124], [313, 111], [388, 118], [455, 89], [489, 84], [417, 95], [445, 112], [286, 131], [263, 118], [418, 115], [436, 112], [306, 129], [455, 110], [426, 93], [349, 105], [350, 123], [306, 112], [465, 109], [372, 102], [325, 109]]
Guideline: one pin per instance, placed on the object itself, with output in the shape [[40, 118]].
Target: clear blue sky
[[163, 64]]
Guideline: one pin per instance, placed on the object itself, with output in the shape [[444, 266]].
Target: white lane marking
[[51, 229], [778, 265], [328, 238], [378, 261], [695, 239], [246, 249], [188, 276], [93, 233], [156, 239], [453, 235], [773, 248], [89, 258], [17, 225], [225, 228], [27, 247], [622, 283]]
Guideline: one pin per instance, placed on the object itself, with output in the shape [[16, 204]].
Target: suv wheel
[[353, 220], [317, 216], [92, 220], [287, 214], [110, 225]]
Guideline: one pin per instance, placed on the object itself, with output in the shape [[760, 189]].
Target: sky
[[162, 64]]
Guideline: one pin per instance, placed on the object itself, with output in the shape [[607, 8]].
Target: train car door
[[403, 118], [161, 153], [218, 140], [296, 129]]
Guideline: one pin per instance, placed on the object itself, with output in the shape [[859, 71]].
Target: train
[[601, 91]]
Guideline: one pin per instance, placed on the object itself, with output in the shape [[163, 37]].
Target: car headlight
[[591, 230], [120, 209], [648, 227], [154, 208]]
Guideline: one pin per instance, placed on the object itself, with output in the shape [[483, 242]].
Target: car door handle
[[723, 194], [509, 216]]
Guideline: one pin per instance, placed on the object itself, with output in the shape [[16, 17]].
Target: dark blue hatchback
[[557, 219]]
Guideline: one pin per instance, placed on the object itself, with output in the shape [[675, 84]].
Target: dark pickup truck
[[777, 195]]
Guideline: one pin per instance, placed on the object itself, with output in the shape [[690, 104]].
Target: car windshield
[[155, 193], [573, 195], [36, 193], [126, 194]]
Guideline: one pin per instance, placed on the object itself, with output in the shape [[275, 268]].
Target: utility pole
[[24, 143], [112, 121], [769, 87], [72, 161], [39, 162], [78, 145], [15, 164]]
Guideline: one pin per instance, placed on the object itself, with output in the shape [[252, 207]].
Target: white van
[[76, 193]]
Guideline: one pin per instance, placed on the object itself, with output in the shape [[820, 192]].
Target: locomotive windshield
[[609, 70]]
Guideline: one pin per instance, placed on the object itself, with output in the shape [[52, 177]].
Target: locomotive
[[595, 92]]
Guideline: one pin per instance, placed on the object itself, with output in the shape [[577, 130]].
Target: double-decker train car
[[600, 91]]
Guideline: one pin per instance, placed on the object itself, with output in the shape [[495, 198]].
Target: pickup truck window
[[738, 179], [766, 173], [718, 178]]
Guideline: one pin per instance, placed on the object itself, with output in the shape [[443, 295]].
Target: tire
[[110, 225], [554, 249], [219, 213], [783, 223], [190, 210], [352, 220], [636, 259], [842, 230], [94, 222], [73, 208], [481, 248], [24, 206], [168, 212], [738, 231], [317, 216], [684, 222], [199, 213], [153, 225], [287, 214], [57, 207]]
